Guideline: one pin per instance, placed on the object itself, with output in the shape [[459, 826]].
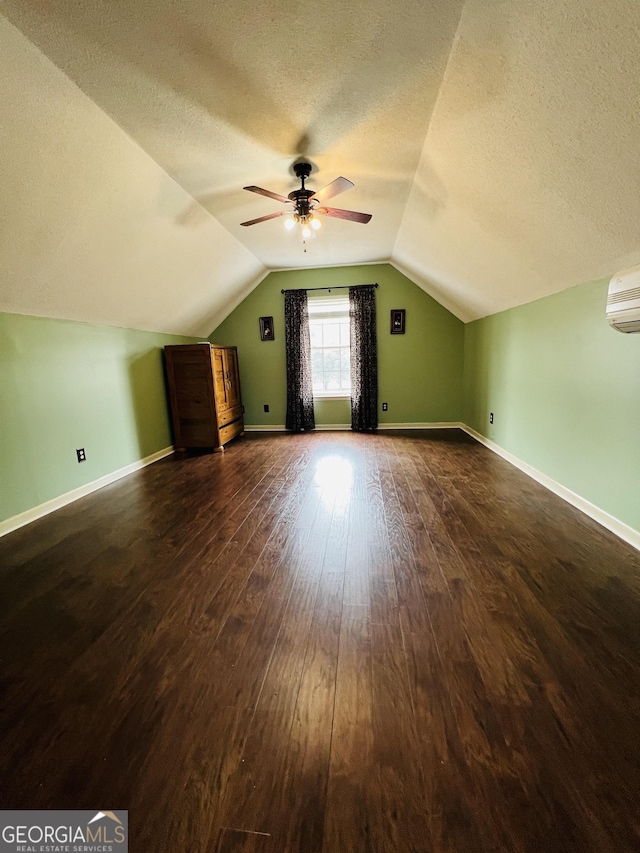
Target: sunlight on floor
[[334, 474]]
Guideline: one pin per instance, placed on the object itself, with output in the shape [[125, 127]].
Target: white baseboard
[[30, 515], [282, 427], [619, 528], [432, 425], [320, 427]]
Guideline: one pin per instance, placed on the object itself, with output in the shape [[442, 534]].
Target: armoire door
[[220, 379], [232, 377]]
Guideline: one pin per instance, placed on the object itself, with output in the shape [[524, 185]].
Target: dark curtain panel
[[364, 358], [298, 349]]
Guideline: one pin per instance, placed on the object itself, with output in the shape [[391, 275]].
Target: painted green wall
[[65, 385], [419, 373], [564, 388]]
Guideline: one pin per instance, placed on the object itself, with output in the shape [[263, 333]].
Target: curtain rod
[[336, 287]]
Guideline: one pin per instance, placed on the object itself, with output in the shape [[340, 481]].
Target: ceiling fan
[[307, 203]]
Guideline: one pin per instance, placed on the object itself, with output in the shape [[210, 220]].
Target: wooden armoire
[[204, 391]]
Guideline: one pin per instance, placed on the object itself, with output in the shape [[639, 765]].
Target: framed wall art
[[266, 328], [397, 321]]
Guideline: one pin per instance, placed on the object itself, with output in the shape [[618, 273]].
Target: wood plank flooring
[[326, 643]]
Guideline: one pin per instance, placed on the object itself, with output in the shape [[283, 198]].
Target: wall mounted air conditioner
[[623, 300]]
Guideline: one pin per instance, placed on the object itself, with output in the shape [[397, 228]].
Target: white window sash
[[324, 309]]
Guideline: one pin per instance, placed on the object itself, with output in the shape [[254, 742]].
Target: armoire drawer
[[226, 433], [229, 415]]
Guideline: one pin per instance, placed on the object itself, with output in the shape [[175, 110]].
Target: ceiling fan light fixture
[[306, 203]]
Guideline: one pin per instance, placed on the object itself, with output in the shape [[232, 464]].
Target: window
[[330, 351]]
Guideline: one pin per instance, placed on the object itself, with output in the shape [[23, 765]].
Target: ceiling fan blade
[[268, 193], [264, 218], [351, 215], [340, 185]]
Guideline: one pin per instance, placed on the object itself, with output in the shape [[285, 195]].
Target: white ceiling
[[495, 143]]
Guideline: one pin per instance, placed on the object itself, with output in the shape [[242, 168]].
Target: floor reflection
[[334, 474]]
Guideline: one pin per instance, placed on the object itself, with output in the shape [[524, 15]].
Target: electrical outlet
[[490, 417], [82, 457], [266, 407], [385, 407]]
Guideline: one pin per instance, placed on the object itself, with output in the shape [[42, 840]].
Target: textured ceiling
[[495, 143]]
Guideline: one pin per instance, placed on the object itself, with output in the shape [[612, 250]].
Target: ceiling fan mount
[[305, 204], [302, 170]]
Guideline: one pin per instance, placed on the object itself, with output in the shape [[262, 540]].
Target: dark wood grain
[[351, 810], [325, 643]]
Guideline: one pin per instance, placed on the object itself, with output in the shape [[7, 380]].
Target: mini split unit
[[623, 300]]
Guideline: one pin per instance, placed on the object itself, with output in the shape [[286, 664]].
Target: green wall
[[419, 373], [65, 385], [564, 388]]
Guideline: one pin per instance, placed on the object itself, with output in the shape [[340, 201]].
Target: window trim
[[338, 394]]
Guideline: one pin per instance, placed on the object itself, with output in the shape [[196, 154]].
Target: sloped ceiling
[[91, 228], [495, 143]]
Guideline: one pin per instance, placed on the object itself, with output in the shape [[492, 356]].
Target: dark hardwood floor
[[326, 643]]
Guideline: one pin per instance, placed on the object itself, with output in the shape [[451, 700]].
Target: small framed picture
[[397, 321], [266, 328]]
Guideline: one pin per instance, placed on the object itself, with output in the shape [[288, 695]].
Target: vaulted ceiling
[[495, 143]]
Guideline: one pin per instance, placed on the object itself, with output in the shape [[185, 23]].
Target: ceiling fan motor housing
[[300, 199]]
